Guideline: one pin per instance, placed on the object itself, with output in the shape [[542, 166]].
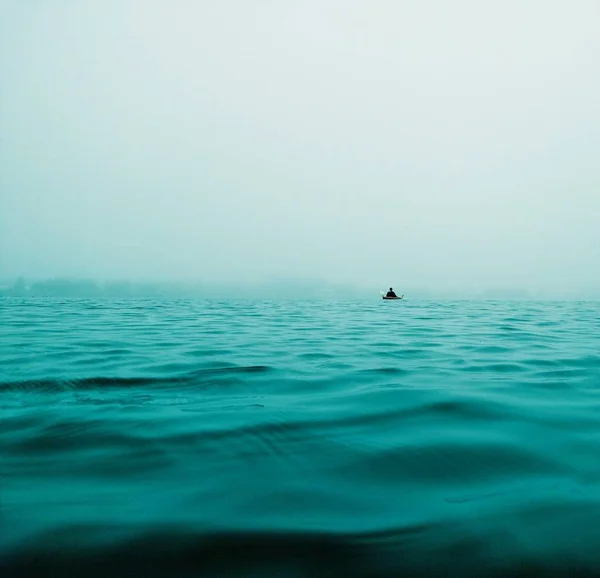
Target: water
[[297, 439]]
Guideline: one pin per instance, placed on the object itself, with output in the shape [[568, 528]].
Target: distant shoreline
[[83, 288]]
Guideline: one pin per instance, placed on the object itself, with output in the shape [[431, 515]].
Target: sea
[[290, 438]]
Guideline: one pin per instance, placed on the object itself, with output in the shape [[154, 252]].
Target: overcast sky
[[431, 144]]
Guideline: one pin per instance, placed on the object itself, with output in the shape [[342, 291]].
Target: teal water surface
[[265, 438]]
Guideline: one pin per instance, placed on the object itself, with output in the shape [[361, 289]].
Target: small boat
[[384, 296]]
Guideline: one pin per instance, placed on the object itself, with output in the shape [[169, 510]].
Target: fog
[[425, 145]]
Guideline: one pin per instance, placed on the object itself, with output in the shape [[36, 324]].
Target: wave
[[435, 549], [194, 377]]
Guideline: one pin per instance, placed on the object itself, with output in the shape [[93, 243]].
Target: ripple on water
[[308, 439]]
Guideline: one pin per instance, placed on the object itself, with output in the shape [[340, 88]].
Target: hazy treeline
[[89, 288], [66, 288]]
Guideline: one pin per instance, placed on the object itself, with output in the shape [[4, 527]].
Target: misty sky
[[430, 144]]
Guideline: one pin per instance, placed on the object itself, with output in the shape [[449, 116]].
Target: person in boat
[[391, 293]]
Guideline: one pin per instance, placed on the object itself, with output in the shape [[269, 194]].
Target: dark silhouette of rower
[[391, 293]]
